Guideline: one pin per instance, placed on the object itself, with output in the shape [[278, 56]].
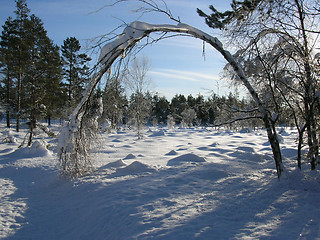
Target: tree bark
[[19, 100], [309, 88], [8, 99]]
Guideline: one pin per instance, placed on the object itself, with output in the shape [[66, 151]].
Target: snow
[[189, 183]]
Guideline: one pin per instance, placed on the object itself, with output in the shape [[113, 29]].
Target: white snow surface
[[191, 183]]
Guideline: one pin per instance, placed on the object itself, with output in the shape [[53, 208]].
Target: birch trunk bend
[[134, 33]]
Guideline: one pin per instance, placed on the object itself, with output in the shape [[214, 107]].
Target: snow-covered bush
[[76, 140], [170, 121], [188, 117]]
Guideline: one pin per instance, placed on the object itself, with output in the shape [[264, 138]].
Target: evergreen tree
[[114, 102], [139, 109], [21, 50], [14, 57], [31, 65], [41, 86], [6, 68], [160, 109], [75, 69], [177, 106]]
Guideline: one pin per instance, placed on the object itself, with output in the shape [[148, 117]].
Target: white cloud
[[185, 75], [184, 42], [173, 75]]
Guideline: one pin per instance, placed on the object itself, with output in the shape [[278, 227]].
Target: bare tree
[[278, 60], [137, 80]]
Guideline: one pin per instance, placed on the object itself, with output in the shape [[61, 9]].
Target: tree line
[[186, 111]]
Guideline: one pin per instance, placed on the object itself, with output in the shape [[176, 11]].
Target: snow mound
[[214, 144], [116, 164], [283, 132], [130, 156], [245, 130], [135, 168], [37, 149], [158, 133], [280, 139], [8, 137], [186, 158], [172, 152]]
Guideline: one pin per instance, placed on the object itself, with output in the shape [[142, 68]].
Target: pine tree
[[114, 102], [160, 108], [177, 106], [14, 57], [6, 68], [21, 46], [43, 75], [31, 66], [75, 69], [240, 9], [54, 96]]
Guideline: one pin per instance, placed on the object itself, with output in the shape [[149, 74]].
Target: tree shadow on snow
[[183, 201]]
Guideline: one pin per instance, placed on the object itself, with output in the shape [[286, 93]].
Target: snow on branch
[[73, 145]]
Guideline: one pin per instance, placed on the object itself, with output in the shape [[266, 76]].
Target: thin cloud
[[194, 74], [173, 75], [185, 75], [183, 42]]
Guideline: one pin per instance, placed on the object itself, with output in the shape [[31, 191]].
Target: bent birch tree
[[73, 148]]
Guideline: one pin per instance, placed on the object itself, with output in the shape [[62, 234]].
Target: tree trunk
[[49, 120], [309, 91], [299, 149], [19, 101], [8, 100], [32, 126], [300, 142], [274, 142], [315, 143], [8, 118]]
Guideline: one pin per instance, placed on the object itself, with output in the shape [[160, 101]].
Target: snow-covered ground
[[172, 184]]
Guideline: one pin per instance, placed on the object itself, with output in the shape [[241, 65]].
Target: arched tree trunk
[[131, 35]]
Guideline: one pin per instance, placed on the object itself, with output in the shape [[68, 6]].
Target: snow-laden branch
[[133, 34]]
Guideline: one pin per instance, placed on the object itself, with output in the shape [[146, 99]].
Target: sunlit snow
[[180, 183]]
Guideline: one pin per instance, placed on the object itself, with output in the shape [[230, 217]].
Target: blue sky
[[177, 64]]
